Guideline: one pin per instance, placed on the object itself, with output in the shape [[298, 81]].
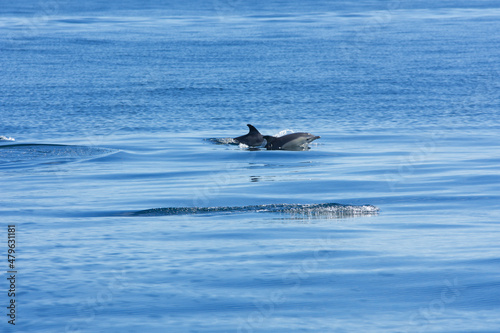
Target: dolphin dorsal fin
[[252, 129]]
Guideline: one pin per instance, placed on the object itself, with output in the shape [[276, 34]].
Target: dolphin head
[[311, 138]]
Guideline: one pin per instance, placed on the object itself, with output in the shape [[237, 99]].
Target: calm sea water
[[132, 215]]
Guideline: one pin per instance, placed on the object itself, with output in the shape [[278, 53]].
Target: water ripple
[[31, 155], [324, 210]]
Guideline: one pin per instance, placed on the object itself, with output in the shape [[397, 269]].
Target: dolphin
[[252, 139], [294, 141]]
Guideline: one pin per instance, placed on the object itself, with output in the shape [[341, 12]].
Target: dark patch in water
[[325, 210]]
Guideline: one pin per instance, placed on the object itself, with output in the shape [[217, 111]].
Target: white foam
[[227, 140], [5, 138], [285, 132], [243, 146]]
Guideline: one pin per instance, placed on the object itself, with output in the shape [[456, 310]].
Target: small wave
[[223, 141], [325, 210], [26, 155], [6, 138]]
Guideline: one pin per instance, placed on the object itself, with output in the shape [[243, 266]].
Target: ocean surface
[[135, 212]]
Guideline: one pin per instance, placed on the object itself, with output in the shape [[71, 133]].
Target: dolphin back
[[253, 138], [293, 141]]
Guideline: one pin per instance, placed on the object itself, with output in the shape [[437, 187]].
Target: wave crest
[[325, 210]]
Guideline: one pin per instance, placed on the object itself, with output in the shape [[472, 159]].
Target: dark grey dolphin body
[[294, 141], [252, 139]]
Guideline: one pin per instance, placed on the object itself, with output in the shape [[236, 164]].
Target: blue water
[[133, 214]]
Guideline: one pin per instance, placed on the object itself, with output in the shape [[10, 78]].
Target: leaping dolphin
[[252, 139], [294, 141]]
